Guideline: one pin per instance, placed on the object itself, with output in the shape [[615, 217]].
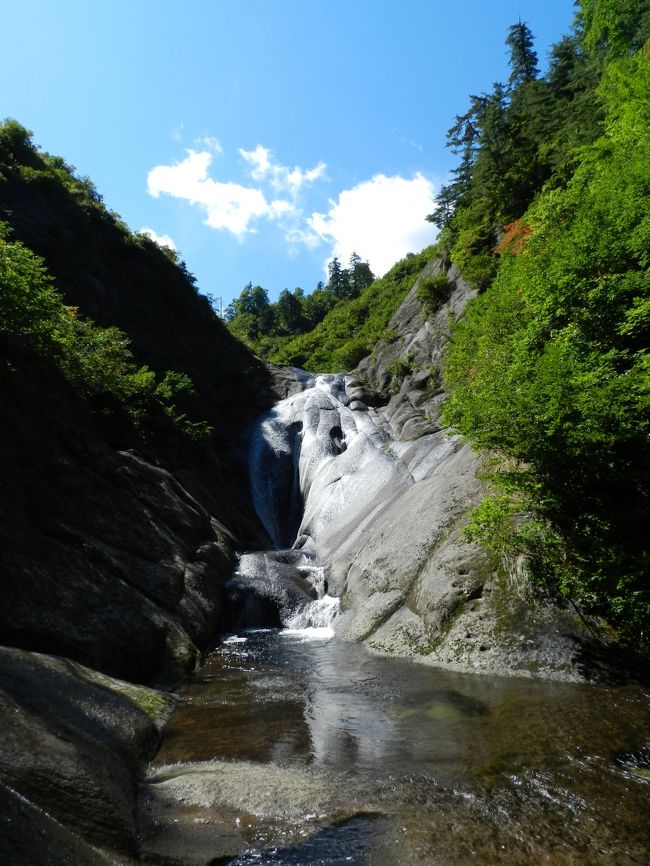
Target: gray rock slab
[[195, 814], [131, 565], [31, 837], [74, 743]]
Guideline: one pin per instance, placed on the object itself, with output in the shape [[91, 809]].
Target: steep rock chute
[[316, 461]]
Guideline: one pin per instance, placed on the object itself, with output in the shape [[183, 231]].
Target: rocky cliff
[[356, 472], [117, 548], [115, 540], [411, 584]]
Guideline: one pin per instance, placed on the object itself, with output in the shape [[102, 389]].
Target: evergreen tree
[[613, 28], [491, 161], [288, 312], [463, 139], [360, 275], [523, 58], [548, 365], [318, 304], [250, 314], [339, 279]]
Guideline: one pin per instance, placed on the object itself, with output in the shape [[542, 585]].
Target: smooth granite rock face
[[209, 811], [74, 744], [412, 585], [381, 513], [357, 470]]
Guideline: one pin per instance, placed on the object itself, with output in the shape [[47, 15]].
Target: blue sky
[[261, 138]]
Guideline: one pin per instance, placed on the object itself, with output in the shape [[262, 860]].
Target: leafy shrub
[[432, 292], [31, 312], [349, 355], [357, 323], [96, 362], [550, 365], [400, 368]]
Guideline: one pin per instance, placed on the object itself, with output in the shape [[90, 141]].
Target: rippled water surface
[[336, 756]]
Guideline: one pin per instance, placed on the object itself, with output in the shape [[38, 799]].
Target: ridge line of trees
[[265, 325]]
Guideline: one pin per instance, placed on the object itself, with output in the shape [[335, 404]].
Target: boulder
[[74, 745]]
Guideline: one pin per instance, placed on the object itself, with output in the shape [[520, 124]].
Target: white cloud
[[280, 208], [260, 159], [281, 177], [381, 219], [229, 206], [161, 240], [210, 142], [234, 206], [295, 235]]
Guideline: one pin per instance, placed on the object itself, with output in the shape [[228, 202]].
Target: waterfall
[[283, 588], [315, 461], [316, 616]]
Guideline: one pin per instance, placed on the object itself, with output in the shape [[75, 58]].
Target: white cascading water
[[315, 461], [316, 617]]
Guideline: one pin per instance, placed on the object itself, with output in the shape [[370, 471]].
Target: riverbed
[[292, 747]]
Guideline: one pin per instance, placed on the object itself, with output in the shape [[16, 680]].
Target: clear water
[[413, 765]]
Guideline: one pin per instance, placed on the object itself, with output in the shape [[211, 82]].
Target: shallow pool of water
[[320, 753]]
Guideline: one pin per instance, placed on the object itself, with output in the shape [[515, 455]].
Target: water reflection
[[549, 767]]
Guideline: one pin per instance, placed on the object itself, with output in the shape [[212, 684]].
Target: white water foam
[[315, 461], [315, 620]]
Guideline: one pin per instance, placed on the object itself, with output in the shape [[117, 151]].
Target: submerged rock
[[194, 814]]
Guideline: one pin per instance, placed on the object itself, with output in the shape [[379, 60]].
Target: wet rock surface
[[228, 804], [381, 505], [363, 496], [74, 743], [411, 584], [289, 750]]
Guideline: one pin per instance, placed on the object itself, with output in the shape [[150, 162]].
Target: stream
[[292, 746], [299, 749]]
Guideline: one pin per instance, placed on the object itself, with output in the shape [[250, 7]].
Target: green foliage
[[267, 327], [551, 366], [16, 145], [400, 368], [614, 28], [432, 292], [250, 315], [289, 316], [523, 59], [31, 311], [516, 138], [353, 327], [96, 362], [351, 353], [123, 280]]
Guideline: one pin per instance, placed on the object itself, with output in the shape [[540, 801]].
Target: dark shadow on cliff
[[117, 536]]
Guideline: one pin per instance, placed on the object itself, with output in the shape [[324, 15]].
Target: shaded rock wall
[[115, 540], [74, 743], [107, 557], [125, 576]]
